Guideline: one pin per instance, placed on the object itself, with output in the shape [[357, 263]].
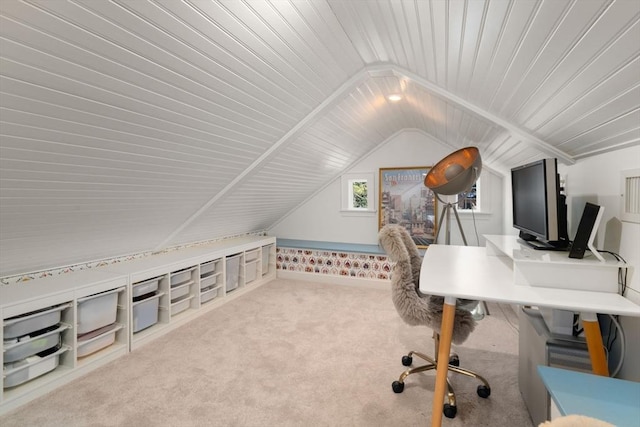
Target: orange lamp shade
[[456, 173]]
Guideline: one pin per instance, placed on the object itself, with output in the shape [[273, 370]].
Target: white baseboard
[[336, 280]]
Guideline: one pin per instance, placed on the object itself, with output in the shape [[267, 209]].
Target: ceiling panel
[[173, 122]]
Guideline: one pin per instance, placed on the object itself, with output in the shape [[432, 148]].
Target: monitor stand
[[540, 245]]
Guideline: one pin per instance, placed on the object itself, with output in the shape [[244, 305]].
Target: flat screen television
[[539, 207]]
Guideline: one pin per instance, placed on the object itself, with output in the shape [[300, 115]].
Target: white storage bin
[[208, 268], [34, 321], [250, 271], [233, 272], [146, 287], [207, 282], [180, 291], [251, 255], [181, 305], [265, 259], [145, 312], [180, 277], [97, 310], [38, 342], [208, 295], [32, 367], [97, 340]]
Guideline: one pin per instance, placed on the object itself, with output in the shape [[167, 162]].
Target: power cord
[[622, 343], [475, 228], [622, 272], [617, 331], [473, 215]]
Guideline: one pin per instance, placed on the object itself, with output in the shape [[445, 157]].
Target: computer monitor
[[539, 207]]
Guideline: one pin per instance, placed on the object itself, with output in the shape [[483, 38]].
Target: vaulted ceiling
[[130, 126]]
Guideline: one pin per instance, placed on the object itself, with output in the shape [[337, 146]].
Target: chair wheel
[[397, 386], [454, 360], [450, 411], [484, 391], [407, 360]]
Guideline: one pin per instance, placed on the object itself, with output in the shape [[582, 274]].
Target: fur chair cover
[[412, 306]]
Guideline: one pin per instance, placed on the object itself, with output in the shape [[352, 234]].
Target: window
[[469, 200], [358, 190], [358, 194]]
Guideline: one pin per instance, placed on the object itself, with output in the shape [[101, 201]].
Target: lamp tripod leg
[[464, 238], [482, 308], [439, 227]]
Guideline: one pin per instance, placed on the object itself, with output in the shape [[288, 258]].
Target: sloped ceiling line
[[338, 95], [290, 136], [526, 136]]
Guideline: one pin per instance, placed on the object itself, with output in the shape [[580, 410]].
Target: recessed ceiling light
[[394, 98]]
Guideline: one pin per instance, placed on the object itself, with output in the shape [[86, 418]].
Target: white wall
[[320, 217], [597, 180]]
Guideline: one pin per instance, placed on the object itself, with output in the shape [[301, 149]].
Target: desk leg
[[594, 344], [446, 332]]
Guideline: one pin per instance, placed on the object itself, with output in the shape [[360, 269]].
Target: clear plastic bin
[[28, 323], [180, 277], [146, 287], [180, 291], [208, 294], [145, 312], [34, 343], [32, 367], [251, 255], [208, 268], [207, 282], [97, 310], [181, 305], [265, 259], [97, 340], [233, 272], [251, 272]]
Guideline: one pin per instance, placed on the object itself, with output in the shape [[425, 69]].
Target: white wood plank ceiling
[[131, 126]]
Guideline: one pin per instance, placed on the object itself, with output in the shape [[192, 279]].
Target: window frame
[[346, 185], [478, 205]]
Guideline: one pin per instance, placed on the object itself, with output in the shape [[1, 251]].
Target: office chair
[[417, 309]]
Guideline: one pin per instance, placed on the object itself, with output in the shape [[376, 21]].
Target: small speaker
[[586, 231]]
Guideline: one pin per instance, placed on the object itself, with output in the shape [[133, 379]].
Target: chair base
[[450, 407]]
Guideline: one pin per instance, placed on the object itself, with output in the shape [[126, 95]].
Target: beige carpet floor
[[289, 353]]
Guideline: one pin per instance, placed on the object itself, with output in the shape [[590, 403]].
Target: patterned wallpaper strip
[[334, 263]]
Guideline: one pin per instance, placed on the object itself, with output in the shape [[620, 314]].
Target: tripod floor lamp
[[454, 174]]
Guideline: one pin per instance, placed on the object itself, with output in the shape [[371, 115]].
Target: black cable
[[615, 336], [622, 271]]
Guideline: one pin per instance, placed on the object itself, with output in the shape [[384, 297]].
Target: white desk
[[491, 274]]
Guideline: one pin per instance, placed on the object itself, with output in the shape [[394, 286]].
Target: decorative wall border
[[25, 277], [333, 263]]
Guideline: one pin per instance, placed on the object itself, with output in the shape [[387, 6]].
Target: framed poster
[[405, 200]]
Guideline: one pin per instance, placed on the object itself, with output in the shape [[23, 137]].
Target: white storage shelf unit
[[252, 265], [47, 314], [198, 277], [268, 253], [191, 281], [211, 280], [184, 290]]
